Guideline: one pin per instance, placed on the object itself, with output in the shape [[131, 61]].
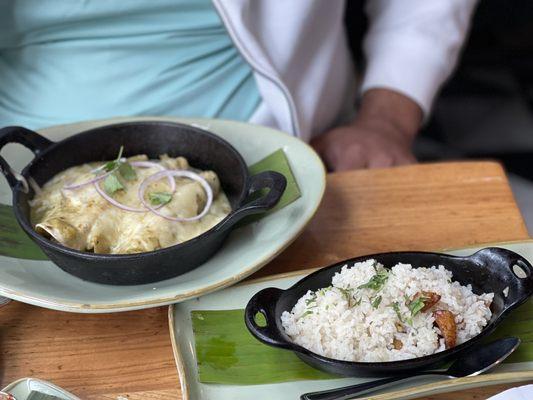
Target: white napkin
[[517, 393]]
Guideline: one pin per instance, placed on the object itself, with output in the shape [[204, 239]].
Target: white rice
[[341, 322]]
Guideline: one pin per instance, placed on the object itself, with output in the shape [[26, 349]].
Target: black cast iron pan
[[488, 270], [203, 150]]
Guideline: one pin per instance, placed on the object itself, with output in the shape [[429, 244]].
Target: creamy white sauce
[[84, 220]]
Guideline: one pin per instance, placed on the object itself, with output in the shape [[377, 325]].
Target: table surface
[[420, 207]]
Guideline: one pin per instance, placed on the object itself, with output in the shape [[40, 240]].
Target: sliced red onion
[[93, 180], [21, 179], [147, 164], [124, 207], [151, 164], [140, 164], [177, 173], [34, 185], [101, 167]]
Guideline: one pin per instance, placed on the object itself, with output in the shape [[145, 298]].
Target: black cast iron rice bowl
[[202, 149], [488, 270]]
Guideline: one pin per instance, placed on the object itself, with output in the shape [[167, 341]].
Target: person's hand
[[364, 144], [380, 136]]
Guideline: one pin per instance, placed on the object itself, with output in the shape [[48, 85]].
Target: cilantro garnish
[[376, 282], [396, 308], [346, 293], [158, 198], [417, 305], [376, 302], [111, 165], [112, 184], [124, 168]]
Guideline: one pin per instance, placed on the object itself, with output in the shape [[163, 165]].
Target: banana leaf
[[15, 243], [519, 324], [228, 354], [278, 162]]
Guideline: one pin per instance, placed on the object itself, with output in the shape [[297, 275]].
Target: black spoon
[[473, 363]]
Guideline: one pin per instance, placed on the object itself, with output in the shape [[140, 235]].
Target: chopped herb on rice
[[396, 308], [417, 305], [376, 282]]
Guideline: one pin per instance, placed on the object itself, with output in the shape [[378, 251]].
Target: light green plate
[[237, 297], [246, 250], [22, 388]]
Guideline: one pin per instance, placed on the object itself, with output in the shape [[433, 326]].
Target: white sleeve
[[412, 46]]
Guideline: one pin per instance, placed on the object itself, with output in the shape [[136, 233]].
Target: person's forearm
[[391, 110]]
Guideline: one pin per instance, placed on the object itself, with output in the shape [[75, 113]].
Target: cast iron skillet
[[204, 150], [488, 270]]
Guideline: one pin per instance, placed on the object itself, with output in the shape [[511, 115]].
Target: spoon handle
[[348, 392]]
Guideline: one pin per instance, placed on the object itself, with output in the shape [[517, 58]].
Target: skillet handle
[[272, 180], [510, 259], [264, 302], [30, 139], [524, 282]]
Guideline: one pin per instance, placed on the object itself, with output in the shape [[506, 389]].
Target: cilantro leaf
[[111, 165], [322, 292], [158, 198], [417, 305], [346, 293], [112, 184], [376, 302], [396, 308], [311, 300], [126, 171], [376, 282]]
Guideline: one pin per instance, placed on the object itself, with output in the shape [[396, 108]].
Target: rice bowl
[[372, 314]]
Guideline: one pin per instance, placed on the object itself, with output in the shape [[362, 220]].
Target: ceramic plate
[[246, 250], [238, 296], [22, 388]]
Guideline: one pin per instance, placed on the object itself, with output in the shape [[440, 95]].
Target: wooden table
[[423, 207]]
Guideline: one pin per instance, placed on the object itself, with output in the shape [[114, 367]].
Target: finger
[[349, 164], [318, 143], [352, 158], [405, 158], [381, 160]]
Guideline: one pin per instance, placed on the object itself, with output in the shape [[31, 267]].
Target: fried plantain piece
[[445, 320], [399, 327], [397, 344]]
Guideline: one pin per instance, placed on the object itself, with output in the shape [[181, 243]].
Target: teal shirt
[[63, 61]]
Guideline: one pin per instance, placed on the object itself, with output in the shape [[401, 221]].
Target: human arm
[[411, 48]]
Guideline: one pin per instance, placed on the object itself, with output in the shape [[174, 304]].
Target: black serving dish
[[203, 150], [488, 270]]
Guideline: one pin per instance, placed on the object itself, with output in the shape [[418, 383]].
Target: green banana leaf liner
[[228, 354]]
